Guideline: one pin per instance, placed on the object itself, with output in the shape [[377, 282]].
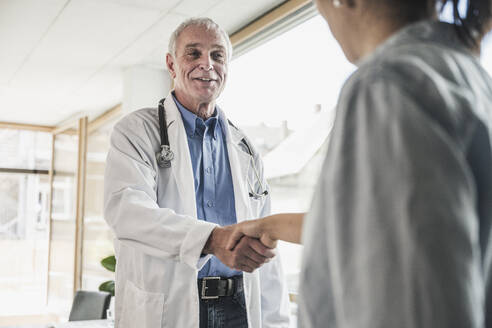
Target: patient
[[399, 232]]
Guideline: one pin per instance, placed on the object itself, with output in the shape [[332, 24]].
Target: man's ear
[[170, 65]]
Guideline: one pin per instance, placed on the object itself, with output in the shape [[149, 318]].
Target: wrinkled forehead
[[200, 36]]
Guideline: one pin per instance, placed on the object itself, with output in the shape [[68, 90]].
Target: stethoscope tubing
[[166, 155], [162, 124]]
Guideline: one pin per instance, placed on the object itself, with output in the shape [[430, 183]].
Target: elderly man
[[174, 177]]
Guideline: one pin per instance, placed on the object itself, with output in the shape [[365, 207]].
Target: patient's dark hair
[[476, 21], [471, 26]]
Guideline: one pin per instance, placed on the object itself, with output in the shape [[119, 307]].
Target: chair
[[89, 305]]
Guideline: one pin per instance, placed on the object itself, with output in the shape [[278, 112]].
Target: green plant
[[110, 264]]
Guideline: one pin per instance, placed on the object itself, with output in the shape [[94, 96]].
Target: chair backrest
[[89, 305]]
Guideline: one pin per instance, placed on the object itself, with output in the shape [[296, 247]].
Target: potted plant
[[110, 264]]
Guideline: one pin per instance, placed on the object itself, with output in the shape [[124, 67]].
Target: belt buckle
[[204, 288]]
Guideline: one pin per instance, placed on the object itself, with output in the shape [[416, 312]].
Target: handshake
[[248, 245]]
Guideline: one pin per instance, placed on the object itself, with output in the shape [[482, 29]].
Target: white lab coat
[[399, 228], [158, 239]]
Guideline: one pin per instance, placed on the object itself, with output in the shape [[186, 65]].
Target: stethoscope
[[166, 155]]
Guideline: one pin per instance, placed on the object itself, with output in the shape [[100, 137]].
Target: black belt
[[215, 287]]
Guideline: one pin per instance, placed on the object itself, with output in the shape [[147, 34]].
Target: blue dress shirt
[[214, 191]]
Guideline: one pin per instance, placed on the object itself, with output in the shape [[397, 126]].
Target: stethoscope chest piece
[[164, 157]]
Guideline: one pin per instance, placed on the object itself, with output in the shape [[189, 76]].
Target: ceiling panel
[[192, 8], [89, 34], [22, 25], [64, 79], [103, 91], [47, 105], [30, 106], [162, 5], [156, 39]]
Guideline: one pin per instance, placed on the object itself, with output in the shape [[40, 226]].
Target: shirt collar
[[190, 120]]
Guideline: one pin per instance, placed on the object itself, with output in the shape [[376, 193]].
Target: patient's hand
[[250, 228]]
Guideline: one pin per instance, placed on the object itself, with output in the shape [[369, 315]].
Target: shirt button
[[210, 203], [209, 170]]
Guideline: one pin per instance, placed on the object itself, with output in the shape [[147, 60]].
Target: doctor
[[173, 265]]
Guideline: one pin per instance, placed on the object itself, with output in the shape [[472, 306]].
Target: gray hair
[[205, 22]]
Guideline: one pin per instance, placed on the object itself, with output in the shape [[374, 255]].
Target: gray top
[[397, 236]]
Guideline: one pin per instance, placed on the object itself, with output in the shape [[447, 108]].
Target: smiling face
[[199, 66]]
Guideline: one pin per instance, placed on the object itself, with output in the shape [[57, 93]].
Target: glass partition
[[98, 240], [63, 213]]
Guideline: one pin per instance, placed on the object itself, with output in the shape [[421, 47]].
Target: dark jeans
[[224, 312]]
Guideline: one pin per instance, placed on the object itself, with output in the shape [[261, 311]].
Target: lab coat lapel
[[181, 164], [240, 162]]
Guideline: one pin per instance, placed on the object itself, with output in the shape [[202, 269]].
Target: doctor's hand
[[248, 254], [251, 228]]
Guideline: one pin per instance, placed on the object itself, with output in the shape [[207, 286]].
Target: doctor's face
[[199, 67]]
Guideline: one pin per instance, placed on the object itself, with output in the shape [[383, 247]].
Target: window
[[98, 239], [283, 94], [23, 220]]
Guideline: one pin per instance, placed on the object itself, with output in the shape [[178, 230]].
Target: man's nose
[[206, 64]]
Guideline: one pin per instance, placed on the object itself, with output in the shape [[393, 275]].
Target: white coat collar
[[181, 164]]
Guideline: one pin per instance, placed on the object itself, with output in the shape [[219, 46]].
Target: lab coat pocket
[[256, 205], [141, 308]]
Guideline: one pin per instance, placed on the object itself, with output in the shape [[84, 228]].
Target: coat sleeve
[[392, 236], [130, 204], [275, 308]]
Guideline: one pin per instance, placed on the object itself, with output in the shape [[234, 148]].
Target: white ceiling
[[59, 58]]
